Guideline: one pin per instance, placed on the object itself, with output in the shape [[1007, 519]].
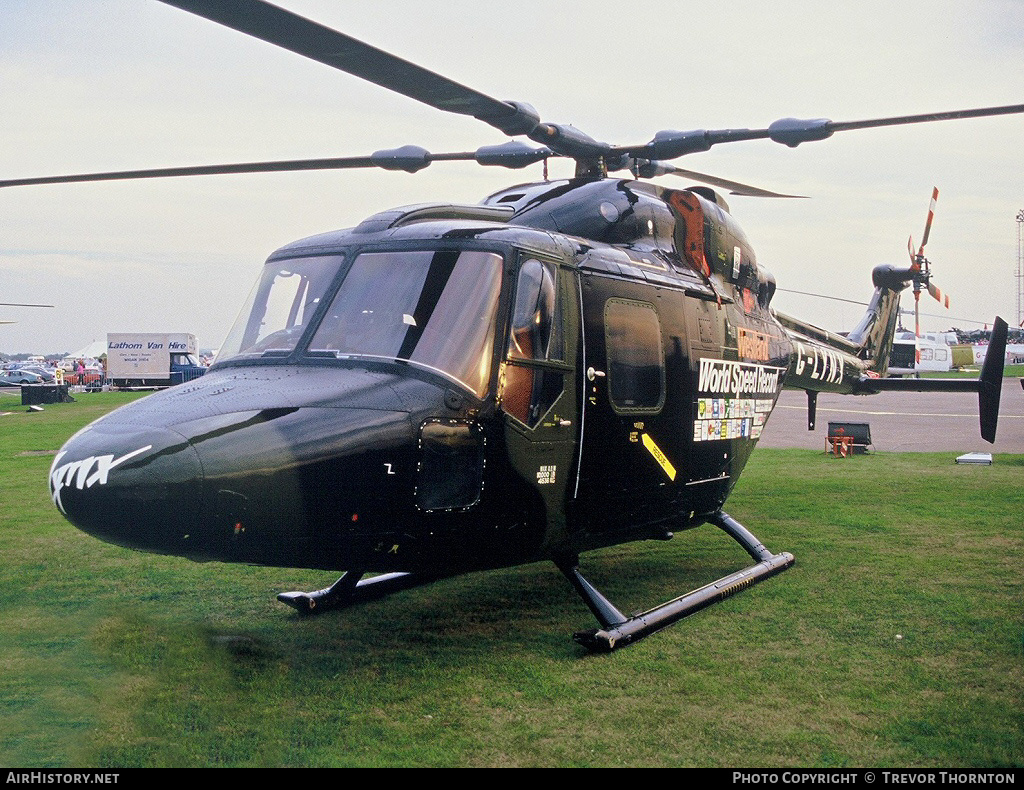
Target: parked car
[[15, 378], [46, 374], [90, 375]]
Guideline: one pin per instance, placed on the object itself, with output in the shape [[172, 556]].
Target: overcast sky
[[92, 85]]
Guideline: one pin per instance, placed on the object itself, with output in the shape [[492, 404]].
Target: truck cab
[[185, 367]]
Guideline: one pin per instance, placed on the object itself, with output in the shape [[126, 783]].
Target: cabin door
[[631, 445]]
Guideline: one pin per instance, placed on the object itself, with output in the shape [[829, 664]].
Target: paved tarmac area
[[901, 421]]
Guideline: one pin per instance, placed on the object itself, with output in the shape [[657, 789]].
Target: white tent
[[94, 350]]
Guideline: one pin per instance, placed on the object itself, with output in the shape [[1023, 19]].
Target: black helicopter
[[565, 366]]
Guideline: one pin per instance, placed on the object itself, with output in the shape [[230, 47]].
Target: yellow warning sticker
[[659, 456]]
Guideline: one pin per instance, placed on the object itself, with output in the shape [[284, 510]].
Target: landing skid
[[349, 589], [618, 630]]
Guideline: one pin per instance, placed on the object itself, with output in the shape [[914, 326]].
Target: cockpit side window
[[528, 389], [534, 333]]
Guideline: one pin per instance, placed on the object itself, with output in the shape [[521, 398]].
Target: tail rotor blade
[[931, 216], [938, 295], [920, 269]]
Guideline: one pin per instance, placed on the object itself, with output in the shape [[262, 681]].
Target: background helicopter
[[19, 304], [727, 297]]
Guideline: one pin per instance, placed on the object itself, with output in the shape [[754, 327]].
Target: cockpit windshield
[[432, 308], [436, 309], [279, 308]]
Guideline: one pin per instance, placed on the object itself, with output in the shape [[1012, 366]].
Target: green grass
[[897, 639], [1009, 372]]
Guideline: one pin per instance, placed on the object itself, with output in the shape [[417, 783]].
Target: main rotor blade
[[670, 144], [409, 158], [202, 170], [952, 115], [865, 304], [734, 187], [822, 296], [307, 38]]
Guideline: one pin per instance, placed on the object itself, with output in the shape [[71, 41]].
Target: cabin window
[[527, 392], [636, 363], [451, 467], [434, 309]]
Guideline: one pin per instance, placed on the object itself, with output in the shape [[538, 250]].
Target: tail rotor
[[920, 268]]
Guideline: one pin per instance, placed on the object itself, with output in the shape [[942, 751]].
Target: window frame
[[612, 345], [548, 365]]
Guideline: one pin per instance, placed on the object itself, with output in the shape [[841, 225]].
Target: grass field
[[896, 640], [1009, 372]]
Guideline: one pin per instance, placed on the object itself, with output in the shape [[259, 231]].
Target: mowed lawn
[[896, 640]]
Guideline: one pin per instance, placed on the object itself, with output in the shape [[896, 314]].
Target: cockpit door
[[537, 390]]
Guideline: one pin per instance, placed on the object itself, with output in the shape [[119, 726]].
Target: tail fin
[[874, 334], [991, 382], [988, 386]]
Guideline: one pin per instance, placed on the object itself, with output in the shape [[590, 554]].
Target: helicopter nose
[[137, 487]]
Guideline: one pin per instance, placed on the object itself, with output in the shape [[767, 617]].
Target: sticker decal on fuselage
[[753, 345], [659, 456], [729, 407], [86, 473], [725, 377], [730, 418]]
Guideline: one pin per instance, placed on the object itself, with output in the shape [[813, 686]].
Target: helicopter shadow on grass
[[530, 608]]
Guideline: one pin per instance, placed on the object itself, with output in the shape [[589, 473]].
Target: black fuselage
[[574, 366]]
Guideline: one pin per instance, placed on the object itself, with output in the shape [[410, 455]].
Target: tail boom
[[821, 361]]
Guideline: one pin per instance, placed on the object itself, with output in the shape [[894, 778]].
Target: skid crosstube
[[618, 630]]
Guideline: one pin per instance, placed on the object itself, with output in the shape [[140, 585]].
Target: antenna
[[1020, 268]]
